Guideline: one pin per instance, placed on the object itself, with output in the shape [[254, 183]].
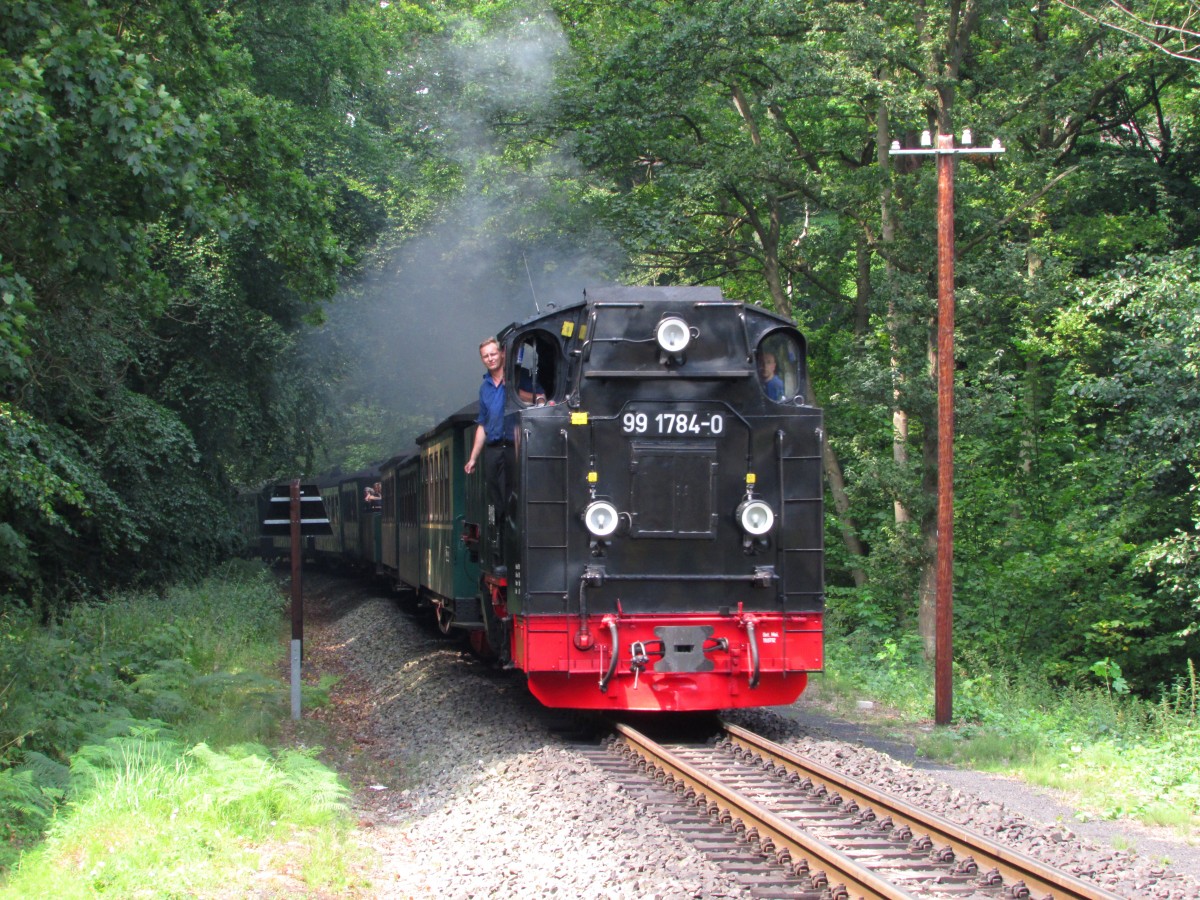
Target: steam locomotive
[[661, 547]]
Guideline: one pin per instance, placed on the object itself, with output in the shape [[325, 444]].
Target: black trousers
[[495, 471]]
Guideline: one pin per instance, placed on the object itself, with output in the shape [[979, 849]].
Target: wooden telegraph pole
[[943, 675]]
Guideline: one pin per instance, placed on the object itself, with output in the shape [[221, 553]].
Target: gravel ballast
[[463, 790]]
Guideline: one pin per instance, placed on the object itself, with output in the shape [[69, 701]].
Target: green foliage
[[1175, 561], [139, 673], [1123, 755], [1144, 386], [147, 810], [890, 671], [150, 713], [16, 305], [1110, 673], [179, 187], [27, 801], [38, 482]]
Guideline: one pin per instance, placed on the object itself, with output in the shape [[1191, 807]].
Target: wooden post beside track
[[944, 575], [297, 596], [296, 510], [945, 151]]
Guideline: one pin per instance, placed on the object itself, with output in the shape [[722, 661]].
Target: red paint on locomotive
[[563, 676]]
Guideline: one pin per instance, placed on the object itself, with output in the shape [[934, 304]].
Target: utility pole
[[945, 151]]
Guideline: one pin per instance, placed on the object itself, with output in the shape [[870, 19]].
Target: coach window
[[780, 367], [535, 367], [431, 482], [444, 474]]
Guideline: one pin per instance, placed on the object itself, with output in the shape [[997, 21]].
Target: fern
[[249, 787], [318, 787], [24, 801], [50, 773], [124, 760]]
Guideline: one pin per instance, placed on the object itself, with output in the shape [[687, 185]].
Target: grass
[[1114, 755], [159, 820], [140, 754]]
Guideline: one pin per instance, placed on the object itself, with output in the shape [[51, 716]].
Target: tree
[[182, 185], [1168, 27], [756, 158]]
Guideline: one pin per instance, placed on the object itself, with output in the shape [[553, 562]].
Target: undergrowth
[[135, 747], [1116, 754]]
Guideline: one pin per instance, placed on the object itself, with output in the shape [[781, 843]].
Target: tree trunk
[[1029, 428], [927, 592], [927, 595], [888, 234], [862, 287], [768, 232], [841, 504]]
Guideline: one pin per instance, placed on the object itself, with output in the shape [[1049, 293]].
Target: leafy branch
[[1158, 34]]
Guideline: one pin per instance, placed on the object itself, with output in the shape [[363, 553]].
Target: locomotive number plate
[[673, 424]]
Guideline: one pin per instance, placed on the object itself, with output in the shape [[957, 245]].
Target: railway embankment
[[464, 787]]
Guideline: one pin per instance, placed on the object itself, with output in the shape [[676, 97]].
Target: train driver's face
[[492, 356]]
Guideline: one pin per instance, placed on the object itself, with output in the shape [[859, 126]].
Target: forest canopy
[[194, 196]]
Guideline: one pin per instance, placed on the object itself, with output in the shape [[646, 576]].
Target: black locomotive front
[[663, 545]]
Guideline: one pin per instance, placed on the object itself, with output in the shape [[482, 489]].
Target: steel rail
[[1012, 865], [837, 866]]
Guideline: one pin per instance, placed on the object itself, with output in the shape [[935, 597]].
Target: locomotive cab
[[661, 548], [536, 368]]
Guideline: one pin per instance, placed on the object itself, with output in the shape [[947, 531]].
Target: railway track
[[787, 827]]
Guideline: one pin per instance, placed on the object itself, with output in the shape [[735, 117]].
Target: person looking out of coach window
[[490, 439], [772, 384], [373, 495]]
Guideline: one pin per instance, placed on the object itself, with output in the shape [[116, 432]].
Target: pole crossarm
[[945, 145], [938, 151]]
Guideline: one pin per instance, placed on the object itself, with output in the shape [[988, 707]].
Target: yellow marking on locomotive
[[579, 418], [568, 329], [593, 477], [751, 478]]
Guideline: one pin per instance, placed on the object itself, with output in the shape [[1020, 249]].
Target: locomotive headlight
[[673, 334], [756, 517], [601, 518]]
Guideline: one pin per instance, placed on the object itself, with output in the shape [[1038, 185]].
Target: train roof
[[398, 460], [464, 416], [643, 295], [367, 473], [635, 293]]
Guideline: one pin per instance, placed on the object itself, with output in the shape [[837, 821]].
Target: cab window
[[780, 367], [535, 368]]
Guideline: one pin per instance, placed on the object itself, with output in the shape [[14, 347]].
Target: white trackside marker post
[[295, 679]]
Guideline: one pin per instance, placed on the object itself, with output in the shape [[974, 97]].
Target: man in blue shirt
[[490, 439], [772, 384]]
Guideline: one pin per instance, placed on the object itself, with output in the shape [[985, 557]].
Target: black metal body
[[679, 547]]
